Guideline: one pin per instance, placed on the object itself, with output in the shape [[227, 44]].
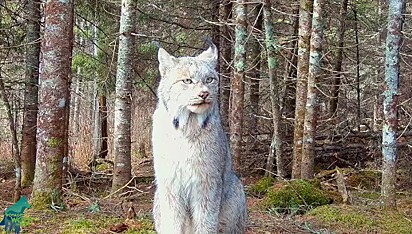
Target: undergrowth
[[349, 219], [294, 197]]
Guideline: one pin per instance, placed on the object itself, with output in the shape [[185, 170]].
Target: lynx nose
[[204, 94]]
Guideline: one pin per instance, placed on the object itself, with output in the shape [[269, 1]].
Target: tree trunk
[[357, 80], [225, 60], [305, 22], [255, 55], [75, 102], [103, 127], [309, 133], [276, 145], [214, 7], [97, 132], [97, 117], [54, 98], [122, 112], [28, 139], [238, 85], [390, 101], [333, 102], [288, 106]]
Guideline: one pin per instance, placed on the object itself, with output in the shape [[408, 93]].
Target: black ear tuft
[[176, 123]]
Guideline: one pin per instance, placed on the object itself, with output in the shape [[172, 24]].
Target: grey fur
[[197, 191]]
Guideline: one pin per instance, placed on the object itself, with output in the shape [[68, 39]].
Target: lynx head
[[189, 85]]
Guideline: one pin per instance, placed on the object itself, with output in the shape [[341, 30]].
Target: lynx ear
[[210, 55], [165, 60]]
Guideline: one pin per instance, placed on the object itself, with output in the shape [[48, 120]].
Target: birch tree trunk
[[54, 98], [238, 85], [276, 145], [225, 59], [308, 152], [333, 103], [305, 22], [122, 113], [390, 101]]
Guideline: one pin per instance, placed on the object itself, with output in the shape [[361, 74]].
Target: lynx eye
[[188, 81], [209, 80]]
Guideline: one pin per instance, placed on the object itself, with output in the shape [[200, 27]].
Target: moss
[[103, 167], [92, 224], [54, 142], [297, 196], [394, 222], [369, 195], [261, 187], [101, 224], [27, 221], [43, 200], [40, 201], [330, 215], [78, 226], [366, 179], [355, 220]]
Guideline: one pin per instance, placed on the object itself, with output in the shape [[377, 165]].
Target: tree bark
[[122, 112], [238, 85], [309, 133], [390, 101], [305, 22], [54, 98], [214, 7], [357, 79], [333, 102], [288, 106], [97, 115], [276, 149], [28, 139], [225, 61], [103, 127], [255, 55]]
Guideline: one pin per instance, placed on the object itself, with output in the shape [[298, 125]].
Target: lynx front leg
[[169, 214], [206, 212]]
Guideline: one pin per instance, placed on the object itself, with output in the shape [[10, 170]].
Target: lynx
[[196, 188]]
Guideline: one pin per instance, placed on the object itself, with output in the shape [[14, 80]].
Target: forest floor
[[89, 208]]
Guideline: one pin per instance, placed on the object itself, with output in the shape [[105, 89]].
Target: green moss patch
[[295, 197], [365, 179], [261, 187], [103, 224], [349, 219]]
